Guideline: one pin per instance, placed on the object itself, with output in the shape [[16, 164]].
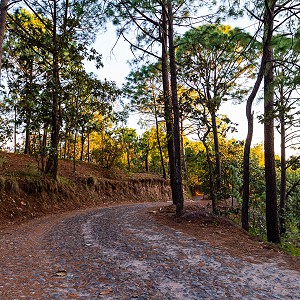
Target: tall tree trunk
[[44, 145], [88, 146], [167, 101], [282, 223], [65, 144], [270, 172], [27, 149], [217, 154], [52, 162], [15, 128], [3, 14], [82, 146], [68, 144], [246, 158], [74, 153], [176, 114], [246, 168], [158, 142], [247, 147], [210, 171], [183, 160]]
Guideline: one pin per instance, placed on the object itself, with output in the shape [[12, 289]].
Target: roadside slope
[[25, 193]]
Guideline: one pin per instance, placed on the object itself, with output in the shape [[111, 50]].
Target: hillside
[[25, 193]]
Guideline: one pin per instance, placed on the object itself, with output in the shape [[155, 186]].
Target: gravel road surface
[[120, 252]]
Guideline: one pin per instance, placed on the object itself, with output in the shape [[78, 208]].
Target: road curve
[[120, 252]]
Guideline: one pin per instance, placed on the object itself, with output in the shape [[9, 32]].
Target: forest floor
[[197, 220]]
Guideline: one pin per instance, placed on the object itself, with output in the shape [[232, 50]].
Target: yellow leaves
[[225, 29], [258, 152], [30, 22]]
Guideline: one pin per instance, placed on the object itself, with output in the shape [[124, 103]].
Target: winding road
[[121, 252]]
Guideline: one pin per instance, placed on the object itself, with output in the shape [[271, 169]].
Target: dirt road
[[121, 252]]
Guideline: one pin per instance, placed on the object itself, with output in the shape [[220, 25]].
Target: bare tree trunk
[[27, 149], [69, 145], [82, 145], [217, 154], [44, 145], [15, 129], [28, 113], [183, 160], [247, 147], [52, 162], [74, 153], [282, 221], [210, 171], [270, 172], [167, 101], [176, 114], [268, 32], [246, 167], [65, 145], [3, 14], [158, 142], [88, 147]]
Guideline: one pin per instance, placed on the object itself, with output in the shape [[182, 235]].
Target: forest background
[[186, 63]]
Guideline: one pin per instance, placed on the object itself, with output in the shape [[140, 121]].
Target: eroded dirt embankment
[[25, 193]]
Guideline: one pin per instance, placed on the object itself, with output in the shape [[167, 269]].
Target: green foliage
[[149, 149], [109, 152], [144, 19], [290, 242], [212, 58]]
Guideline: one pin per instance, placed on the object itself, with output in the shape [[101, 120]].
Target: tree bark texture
[[82, 145], [268, 33], [210, 171], [158, 142], [167, 102], [176, 114], [270, 172], [52, 162], [183, 156], [282, 219], [3, 14], [217, 153]]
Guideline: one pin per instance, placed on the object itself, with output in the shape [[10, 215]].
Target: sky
[[116, 68]]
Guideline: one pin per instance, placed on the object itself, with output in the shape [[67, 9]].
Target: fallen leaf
[[61, 273], [106, 292]]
